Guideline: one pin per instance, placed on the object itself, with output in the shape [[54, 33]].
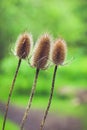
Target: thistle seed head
[[59, 52], [41, 52], [23, 45]]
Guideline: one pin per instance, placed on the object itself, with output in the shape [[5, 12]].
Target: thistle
[[39, 61], [58, 57], [22, 51]]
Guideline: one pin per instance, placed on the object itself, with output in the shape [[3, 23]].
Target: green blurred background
[[66, 19]]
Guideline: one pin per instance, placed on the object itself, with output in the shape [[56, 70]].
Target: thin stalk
[[10, 93], [50, 99], [30, 100]]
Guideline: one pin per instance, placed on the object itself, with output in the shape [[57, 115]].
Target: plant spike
[[39, 61], [22, 50], [58, 57]]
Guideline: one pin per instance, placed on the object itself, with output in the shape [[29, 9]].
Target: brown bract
[[41, 52], [59, 52], [23, 45]]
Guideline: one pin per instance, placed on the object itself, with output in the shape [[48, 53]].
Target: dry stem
[[10, 93], [50, 99], [30, 100]]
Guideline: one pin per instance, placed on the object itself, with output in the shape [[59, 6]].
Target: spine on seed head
[[59, 52], [41, 52], [23, 45]]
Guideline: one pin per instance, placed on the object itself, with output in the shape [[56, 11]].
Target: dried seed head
[[41, 52], [23, 45], [59, 52]]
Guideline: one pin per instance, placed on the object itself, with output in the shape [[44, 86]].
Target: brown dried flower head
[[59, 52], [23, 45], [41, 52]]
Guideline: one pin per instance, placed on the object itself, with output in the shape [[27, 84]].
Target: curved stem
[[30, 100], [50, 99], [10, 93]]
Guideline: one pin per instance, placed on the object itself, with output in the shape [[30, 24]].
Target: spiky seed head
[[41, 51], [23, 45], [59, 52]]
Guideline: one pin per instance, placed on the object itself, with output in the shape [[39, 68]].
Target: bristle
[[59, 52], [41, 52], [23, 45]]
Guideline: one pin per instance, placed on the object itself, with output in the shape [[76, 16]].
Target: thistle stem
[[50, 99], [10, 93], [30, 100]]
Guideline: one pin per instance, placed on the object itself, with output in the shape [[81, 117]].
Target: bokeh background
[[66, 19]]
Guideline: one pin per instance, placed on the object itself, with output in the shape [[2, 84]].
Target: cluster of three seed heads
[[44, 49], [40, 56]]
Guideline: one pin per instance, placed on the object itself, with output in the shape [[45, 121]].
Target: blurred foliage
[[65, 18], [72, 75]]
